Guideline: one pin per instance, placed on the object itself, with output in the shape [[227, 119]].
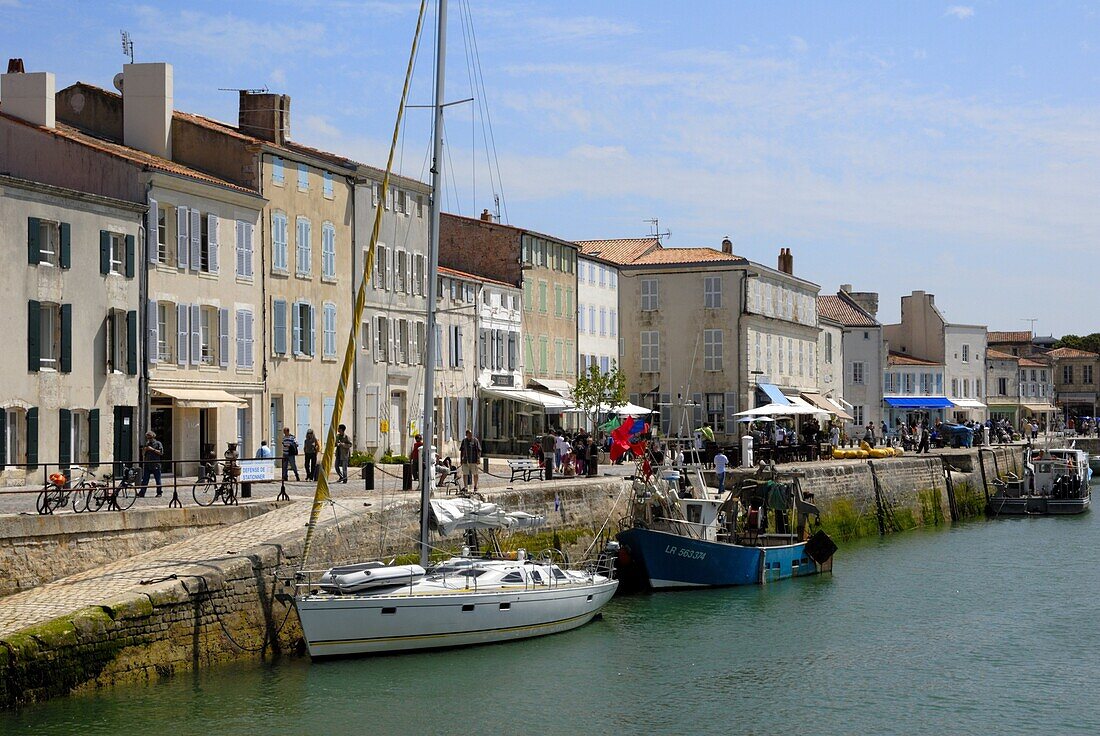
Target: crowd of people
[[569, 453]]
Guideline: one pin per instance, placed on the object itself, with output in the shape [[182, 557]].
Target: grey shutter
[[183, 240], [312, 330], [131, 247], [223, 338], [65, 233], [249, 230], [249, 346], [296, 328], [196, 334], [483, 347], [279, 327], [66, 338], [32, 437], [731, 414], [458, 345], [152, 232], [152, 343], [93, 437], [212, 243], [131, 342], [3, 435], [34, 317], [104, 252], [33, 246], [240, 337], [196, 241], [240, 248], [64, 438], [182, 333]]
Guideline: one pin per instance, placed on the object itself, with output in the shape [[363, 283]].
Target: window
[[381, 267], [966, 388], [279, 241], [712, 350], [329, 342], [716, 412], [859, 369], [208, 244], [926, 384], [603, 275], [244, 249], [382, 340], [118, 254], [1086, 374], [910, 383], [712, 292], [303, 252], [49, 334], [978, 388], [302, 334], [651, 351], [402, 202], [890, 383], [245, 341], [858, 415], [1002, 387], [164, 216], [208, 325], [401, 354], [303, 178], [328, 251], [954, 387], [278, 175], [327, 176], [418, 275], [966, 353], [649, 295], [1067, 374], [603, 321], [399, 270], [166, 329], [828, 348], [14, 431]]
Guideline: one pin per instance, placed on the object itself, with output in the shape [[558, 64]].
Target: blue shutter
[[183, 239], [196, 242], [152, 331], [131, 342], [302, 418], [64, 438], [104, 252], [223, 338], [182, 334], [279, 327], [93, 437], [66, 365], [152, 232], [312, 330], [32, 437], [196, 334], [34, 351], [131, 247], [212, 243]]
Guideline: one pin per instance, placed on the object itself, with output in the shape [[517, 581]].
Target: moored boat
[[1055, 481]]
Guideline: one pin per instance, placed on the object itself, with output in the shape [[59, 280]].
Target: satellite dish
[[117, 81]]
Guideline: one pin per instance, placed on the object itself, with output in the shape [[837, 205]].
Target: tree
[[596, 391], [1091, 343]]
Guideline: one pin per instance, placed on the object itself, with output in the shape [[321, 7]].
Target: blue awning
[[774, 394], [918, 402]]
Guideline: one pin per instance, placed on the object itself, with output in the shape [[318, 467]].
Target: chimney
[[264, 115], [867, 300], [727, 246], [147, 107], [786, 261], [486, 216], [28, 97]]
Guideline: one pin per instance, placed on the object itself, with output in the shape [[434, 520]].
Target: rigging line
[[451, 168], [488, 116], [473, 95], [321, 494], [481, 111]]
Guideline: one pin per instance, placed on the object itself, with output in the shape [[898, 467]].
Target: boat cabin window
[[536, 576], [512, 577], [694, 512], [559, 575]]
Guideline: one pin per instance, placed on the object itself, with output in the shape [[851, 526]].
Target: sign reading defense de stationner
[[254, 471]]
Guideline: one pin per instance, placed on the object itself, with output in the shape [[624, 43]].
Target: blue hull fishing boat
[[682, 534]]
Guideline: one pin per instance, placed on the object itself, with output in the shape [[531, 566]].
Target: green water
[[985, 628]]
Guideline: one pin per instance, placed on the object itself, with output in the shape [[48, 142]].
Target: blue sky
[[894, 146]]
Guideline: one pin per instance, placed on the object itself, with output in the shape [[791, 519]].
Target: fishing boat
[[372, 607], [681, 533], [1055, 481]]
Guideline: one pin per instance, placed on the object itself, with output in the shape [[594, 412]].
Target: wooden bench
[[525, 469], [448, 480]]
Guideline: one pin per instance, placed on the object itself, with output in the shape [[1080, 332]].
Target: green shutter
[[129, 256], [131, 342], [33, 328], [104, 252], [66, 338], [4, 438], [64, 437], [66, 258], [32, 240], [93, 437], [32, 437]]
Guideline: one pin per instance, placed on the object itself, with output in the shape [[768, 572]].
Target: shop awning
[[918, 402], [554, 385], [777, 410], [800, 403], [201, 398], [550, 402], [826, 405], [1040, 408], [968, 404], [626, 410], [774, 394]]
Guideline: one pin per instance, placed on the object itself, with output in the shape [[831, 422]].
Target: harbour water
[[987, 627]]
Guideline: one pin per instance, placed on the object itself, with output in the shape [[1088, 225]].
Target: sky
[[893, 146]]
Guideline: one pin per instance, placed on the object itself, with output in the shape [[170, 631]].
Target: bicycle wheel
[[125, 495], [228, 492], [41, 505], [97, 496], [81, 494], [56, 499], [205, 492]]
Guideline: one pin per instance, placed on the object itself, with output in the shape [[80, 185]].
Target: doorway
[[397, 422], [244, 429], [160, 421], [124, 436], [208, 433]]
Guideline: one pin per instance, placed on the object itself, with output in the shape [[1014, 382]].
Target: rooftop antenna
[[1032, 320], [655, 226], [127, 46], [496, 206], [253, 91]]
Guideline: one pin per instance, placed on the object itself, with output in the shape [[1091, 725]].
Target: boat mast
[[430, 347]]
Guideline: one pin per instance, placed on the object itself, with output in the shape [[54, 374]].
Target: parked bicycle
[[209, 489], [55, 495], [115, 496]]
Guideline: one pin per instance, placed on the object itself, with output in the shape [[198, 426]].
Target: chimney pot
[[15, 66], [29, 97], [727, 246], [786, 261], [486, 216], [846, 288], [264, 115]]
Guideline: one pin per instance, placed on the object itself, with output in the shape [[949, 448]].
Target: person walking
[[469, 455], [310, 450], [414, 456], [343, 452], [922, 446], [290, 452], [720, 463], [834, 436], [264, 453], [151, 455]]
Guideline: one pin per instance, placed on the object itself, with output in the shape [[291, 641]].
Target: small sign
[[384, 426], [253, 471], [503, 379]]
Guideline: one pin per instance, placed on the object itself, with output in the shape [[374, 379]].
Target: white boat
[[1056, 481]]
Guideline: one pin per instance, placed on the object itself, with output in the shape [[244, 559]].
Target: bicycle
[[54, 495], [208, 489], [118, 497]]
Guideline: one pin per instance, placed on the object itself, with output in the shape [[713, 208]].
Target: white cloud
[[961, 12]]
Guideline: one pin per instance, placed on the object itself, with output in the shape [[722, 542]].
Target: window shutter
[[183, 240], [697, 411], [296, 333], [93, 437], [152, 342], [196, 334], [278, 339], [196, 243], [312, 330], [386, 280], [249, 230], [3, 439], [33, 327], [32, 437], [249, 323], [66, 338], [223, 338], [731, 414], [240, 338], [64, 437], [212, 242], [131, 246], [32, 240], [182, 333], [241, 267], [65, 257], [131, 342], [458, 345], [104, 252], [152, 232]]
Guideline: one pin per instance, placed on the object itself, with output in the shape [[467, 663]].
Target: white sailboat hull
[[336, 625]]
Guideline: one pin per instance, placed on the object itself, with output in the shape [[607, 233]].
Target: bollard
[[746, 451], [246, 490], [368, 476], [484, 464], [406, 476]]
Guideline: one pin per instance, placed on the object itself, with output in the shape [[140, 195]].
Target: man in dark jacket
[[469, 453]]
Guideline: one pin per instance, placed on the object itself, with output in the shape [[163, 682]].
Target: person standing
[[310, 450], [414, 456], [549, 444], [343, 452], [264, 453], [720, 463], [922, 446], [290, 452], [151, 454], [469, 455], [561, 449], [593, 458], [834, 436]]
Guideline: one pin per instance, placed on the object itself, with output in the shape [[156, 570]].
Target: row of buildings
[[196, 278]]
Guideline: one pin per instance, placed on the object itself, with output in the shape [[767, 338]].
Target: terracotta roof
[[1019, 336], [444, 271], [899, 359], [664, 256], [622, 250], [992, 354], [1061, 353], [1032, 363], [842, 309], [133, 155]]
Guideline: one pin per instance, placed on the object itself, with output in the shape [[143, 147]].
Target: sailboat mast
[[427, 473]]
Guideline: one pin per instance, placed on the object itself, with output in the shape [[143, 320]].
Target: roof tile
[[1018, 336], [840, 308], [899, 359], [1061, 353]]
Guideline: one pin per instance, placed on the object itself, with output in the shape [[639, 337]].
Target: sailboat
[[373, 607]]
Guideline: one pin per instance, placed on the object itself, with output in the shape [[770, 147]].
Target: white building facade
[[597, 314]]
